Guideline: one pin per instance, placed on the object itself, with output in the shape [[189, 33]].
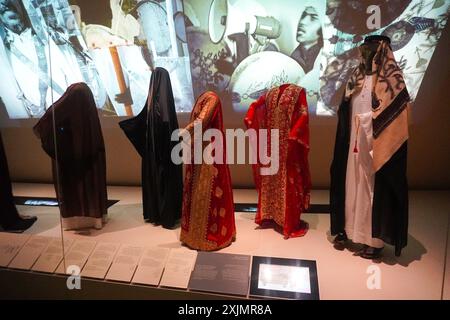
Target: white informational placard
[[100, 260], [10, 245], [179, 266], [284, 278], [224, 273], [52, 256], [30, 252], [77, 255], [151, 266], [125, 263]]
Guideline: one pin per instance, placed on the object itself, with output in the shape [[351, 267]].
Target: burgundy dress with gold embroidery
[[208, 221], [284, 195]]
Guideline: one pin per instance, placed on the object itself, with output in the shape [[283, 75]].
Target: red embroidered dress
[[284, 195], [208, 221]]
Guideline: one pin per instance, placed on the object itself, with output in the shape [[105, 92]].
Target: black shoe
[[340, 241], [21, 224], [371, 253], [341, 238]]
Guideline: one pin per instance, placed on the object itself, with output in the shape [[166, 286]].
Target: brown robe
[[79, 165]]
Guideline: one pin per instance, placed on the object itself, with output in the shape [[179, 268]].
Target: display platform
[[417, 274]]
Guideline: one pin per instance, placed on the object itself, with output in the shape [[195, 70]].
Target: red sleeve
[[300, 129], [300, 134], [253, 120]]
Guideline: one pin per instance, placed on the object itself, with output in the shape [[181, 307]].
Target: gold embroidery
[[219, 192], [203, 110], [222, 212], [279, 112], [303, 109], [201, 184], [224, 231]]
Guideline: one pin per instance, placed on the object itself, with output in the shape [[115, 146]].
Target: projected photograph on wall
[[112, 45], [41, 54], [413, 26], [238, 48], [242, 48]]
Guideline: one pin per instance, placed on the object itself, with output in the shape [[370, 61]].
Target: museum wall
[[428, 157]]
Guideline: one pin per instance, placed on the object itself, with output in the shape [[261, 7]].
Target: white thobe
[[360, 178]]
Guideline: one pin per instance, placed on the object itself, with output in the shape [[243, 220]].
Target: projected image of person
[[25, 51], [309, 37], [129, 39], [27, 55], [59, 33]]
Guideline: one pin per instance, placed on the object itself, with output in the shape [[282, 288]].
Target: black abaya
[[150, 132]]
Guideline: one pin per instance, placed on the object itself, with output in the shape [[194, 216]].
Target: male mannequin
[[368, 194]]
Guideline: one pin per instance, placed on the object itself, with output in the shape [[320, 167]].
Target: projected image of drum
[[260, 72], [153, 19], [400, 34], [217, 20], [179, 20]]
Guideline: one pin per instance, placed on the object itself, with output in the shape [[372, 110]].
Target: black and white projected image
[[238, 48], [127, 39], [414, 27], [135, 38], [41, 54], [242, 48], [112, 45]]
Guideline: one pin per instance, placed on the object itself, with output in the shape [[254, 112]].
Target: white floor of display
[[417, 274]]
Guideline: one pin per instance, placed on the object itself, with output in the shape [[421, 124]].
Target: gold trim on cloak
[[202, 186]]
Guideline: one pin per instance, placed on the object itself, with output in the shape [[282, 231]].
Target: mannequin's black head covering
[[159, 108], [377, 38], [150, 132], [160, 76], [160, 92]]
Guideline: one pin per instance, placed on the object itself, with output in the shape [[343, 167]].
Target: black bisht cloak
[[150, 132], [8, 210], [390, 199], [79, 161], [9, 216]]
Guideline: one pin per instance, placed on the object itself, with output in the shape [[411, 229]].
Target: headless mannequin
[[368, 50]]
